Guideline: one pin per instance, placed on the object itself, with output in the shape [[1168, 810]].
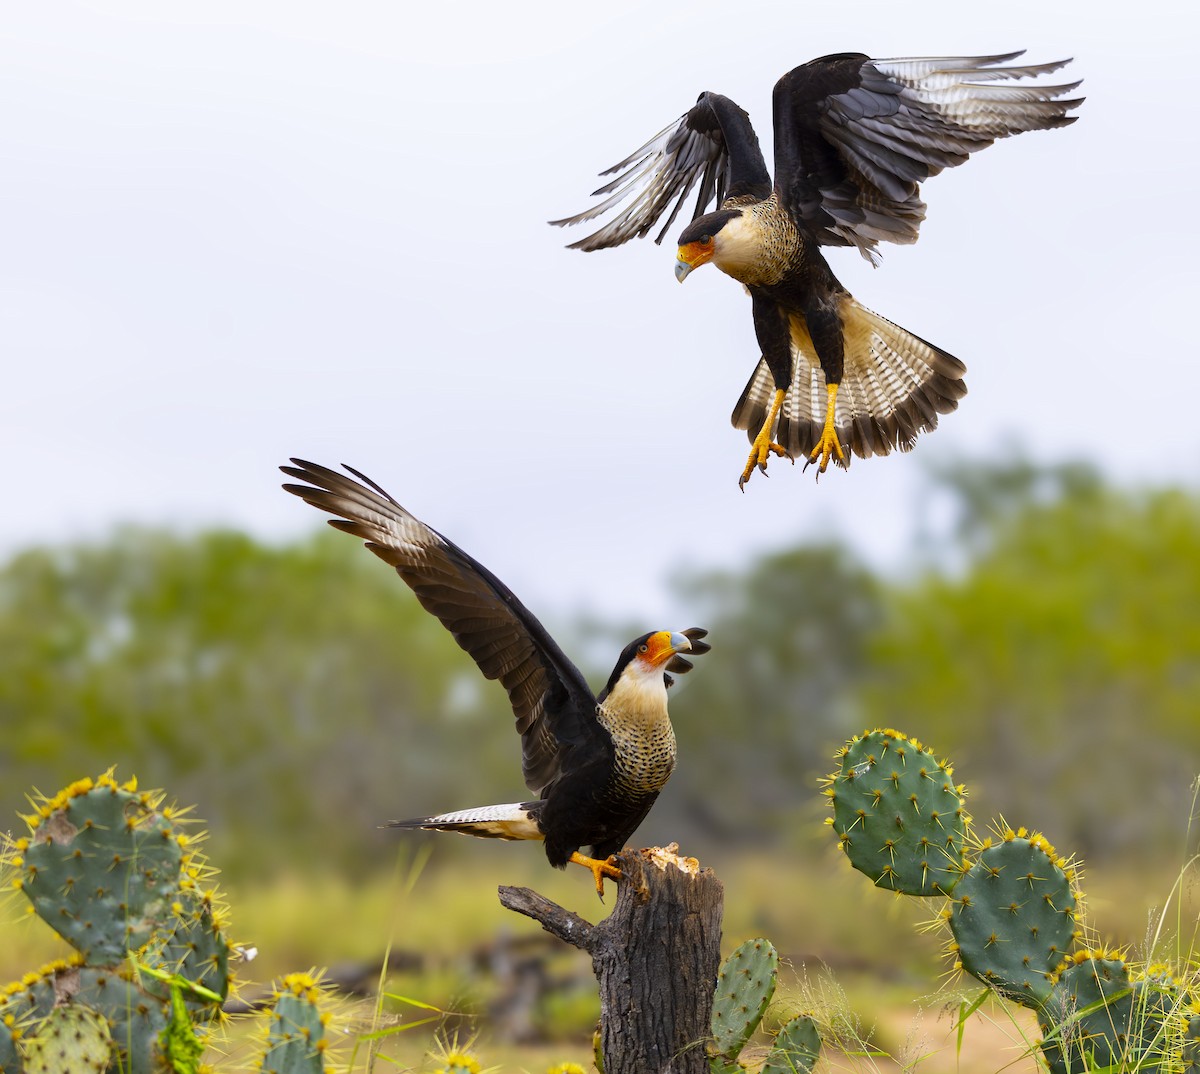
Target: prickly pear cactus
[[135, 1019], [113, 872], [745, 986], [796, 1048], [296, 1044], [102, 868], [898, 814], [1013, 916], [72, 1040], [1098, 1017]]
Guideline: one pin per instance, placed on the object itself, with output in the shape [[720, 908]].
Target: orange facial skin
[[662, 646], [691, 256]]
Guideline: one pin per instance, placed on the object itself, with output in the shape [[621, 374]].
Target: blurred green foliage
[[1061, 659], [1048, 635], [296, 694]]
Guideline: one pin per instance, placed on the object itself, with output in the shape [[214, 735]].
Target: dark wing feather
[[553, 704], [713, 144], [855, 137]]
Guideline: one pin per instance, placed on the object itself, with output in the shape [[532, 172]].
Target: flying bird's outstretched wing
[[553, 704], [713, 144], [855, 137]]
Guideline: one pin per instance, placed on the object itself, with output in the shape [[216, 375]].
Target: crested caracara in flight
[[854, 139], [595, 763]]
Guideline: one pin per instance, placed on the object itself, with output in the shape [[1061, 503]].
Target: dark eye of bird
[[643, 648], [705, 240]]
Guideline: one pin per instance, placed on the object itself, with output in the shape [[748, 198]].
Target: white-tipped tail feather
[[894, 385], [514, 820]]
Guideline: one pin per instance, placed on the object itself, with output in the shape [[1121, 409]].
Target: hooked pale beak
[[691, 256], [664, 646], [680, 642]]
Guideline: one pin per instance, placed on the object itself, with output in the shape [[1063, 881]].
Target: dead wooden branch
[[655, 957]]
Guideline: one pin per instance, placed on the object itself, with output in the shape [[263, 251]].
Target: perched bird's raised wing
[[713, 144], [554, 707], [855, 137]]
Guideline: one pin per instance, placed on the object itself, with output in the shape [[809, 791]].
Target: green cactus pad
[[205, 951], [745, 986], [102, 867], [1013, 917], [72, 1040], [796, 1048], [898, 815], [137, 1018], [195, 951], [296, 1043], [1097, 1017]]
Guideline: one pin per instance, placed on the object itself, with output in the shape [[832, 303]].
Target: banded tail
[[515, 820], [894, 385]]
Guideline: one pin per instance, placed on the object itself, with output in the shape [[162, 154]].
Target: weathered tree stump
[[656, 958]]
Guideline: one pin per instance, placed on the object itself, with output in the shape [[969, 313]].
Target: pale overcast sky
[[238, 231]]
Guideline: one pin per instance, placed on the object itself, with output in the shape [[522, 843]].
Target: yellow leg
[[764, 447], [828, 445], [600, 869]]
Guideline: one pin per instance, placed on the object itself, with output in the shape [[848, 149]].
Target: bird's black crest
[[707, 225]]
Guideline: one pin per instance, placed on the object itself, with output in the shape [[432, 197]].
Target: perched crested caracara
[[594, 763], [854, 138]]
